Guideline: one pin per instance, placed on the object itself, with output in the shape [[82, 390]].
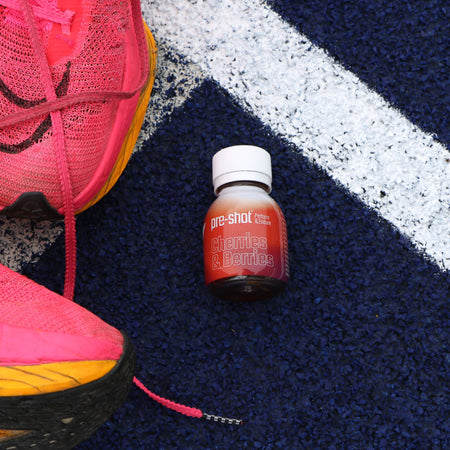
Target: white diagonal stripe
[[23, 240], [174, 83], [330, 115]]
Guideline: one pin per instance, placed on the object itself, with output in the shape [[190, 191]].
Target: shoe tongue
[[63, 40]]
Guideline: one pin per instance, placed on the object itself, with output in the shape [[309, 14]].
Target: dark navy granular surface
[[355, 353]]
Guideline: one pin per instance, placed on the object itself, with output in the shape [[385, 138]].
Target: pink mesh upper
[[99, 49], [70, 76], [26, 304]]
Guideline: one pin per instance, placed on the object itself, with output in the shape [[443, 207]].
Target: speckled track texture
[[351, 100]]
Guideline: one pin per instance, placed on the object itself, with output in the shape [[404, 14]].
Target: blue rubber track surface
[[400, 49], [355, 353]]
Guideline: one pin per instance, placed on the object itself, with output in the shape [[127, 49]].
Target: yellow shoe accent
[[52, 377], [5, 435], [135, 128]]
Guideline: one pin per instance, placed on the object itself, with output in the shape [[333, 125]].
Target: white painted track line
[[327, 112], [306, 98]]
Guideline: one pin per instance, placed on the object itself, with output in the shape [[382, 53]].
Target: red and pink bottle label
[[247, 238]]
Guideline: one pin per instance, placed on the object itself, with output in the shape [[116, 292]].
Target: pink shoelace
[[46, 9]]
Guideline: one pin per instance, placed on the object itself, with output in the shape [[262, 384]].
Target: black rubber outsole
[[31, 205], [61, 420]]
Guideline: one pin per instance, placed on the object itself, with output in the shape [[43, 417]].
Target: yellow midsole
[[51, 377], [135, 128], [6, 435]]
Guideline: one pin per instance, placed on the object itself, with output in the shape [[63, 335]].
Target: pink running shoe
[[63, 370], [75, 81]]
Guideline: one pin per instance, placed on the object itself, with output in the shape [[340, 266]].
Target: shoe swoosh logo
[[23, 103]]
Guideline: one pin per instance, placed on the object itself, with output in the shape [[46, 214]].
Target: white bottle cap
[[241, 163]]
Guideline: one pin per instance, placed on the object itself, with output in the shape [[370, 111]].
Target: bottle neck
[[236, 185]]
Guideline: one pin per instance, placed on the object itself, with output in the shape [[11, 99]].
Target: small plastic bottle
[[244, 235]]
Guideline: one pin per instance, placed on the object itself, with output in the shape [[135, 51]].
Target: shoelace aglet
[[224, 420], [186, 410]]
